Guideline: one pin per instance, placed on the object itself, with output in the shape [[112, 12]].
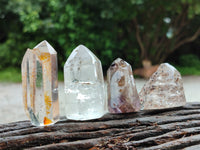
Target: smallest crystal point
[[163, 90]]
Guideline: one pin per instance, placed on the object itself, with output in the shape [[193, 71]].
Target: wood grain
[[175, 128]]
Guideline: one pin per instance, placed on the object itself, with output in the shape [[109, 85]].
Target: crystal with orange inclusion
[[40, 84], [48, 102], [47, 121]]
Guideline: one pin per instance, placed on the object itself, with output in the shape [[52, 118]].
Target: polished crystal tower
[[40, 84], [163, 90], [84, 85], [122, 92]]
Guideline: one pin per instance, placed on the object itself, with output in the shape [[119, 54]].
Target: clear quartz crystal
[[84, 85], [122, 92], [40, 84], [163, 90]]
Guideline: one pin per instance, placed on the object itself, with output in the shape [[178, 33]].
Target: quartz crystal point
[[84, 85], [163, 90], [122, 92], [40, 84]]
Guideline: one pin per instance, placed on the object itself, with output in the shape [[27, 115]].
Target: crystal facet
[[84, 85], [40, 84], [122, 92], [163, 90]]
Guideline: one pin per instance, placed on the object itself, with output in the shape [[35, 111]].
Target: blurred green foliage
[[188, 70], [10, 75], [106, 27], [190, 60]]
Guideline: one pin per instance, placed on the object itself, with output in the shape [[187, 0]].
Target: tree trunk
[[174, 128], [146, 63]]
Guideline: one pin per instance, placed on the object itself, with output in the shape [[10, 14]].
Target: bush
[[189, 60], [188, 70]]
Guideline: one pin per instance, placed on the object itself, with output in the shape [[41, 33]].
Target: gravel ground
[[11, 108]]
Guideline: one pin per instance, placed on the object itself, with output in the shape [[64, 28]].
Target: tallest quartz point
[[40, 84], [84, 85]]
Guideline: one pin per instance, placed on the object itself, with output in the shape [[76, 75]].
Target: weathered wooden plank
[[83, 144], [194, 147], [163, 138], [177, 144], [167, 128]]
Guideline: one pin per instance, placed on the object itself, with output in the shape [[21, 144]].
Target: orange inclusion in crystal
[[24, 86], [47, 121], [25, 100], [47, 100], [32, 101], [44, 56]]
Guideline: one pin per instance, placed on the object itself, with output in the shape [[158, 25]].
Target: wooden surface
[[176, 128]]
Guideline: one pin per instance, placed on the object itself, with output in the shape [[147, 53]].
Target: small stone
[[40, 84], [122, 92], [84, 85], [163, 90]]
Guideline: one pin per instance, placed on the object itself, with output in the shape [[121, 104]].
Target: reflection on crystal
[[39, 81], [84, 85], [122, 92], [163, 90]]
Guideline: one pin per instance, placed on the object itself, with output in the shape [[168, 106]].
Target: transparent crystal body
[[122, 92], [163, 90], [40, 84], [84, 85]]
